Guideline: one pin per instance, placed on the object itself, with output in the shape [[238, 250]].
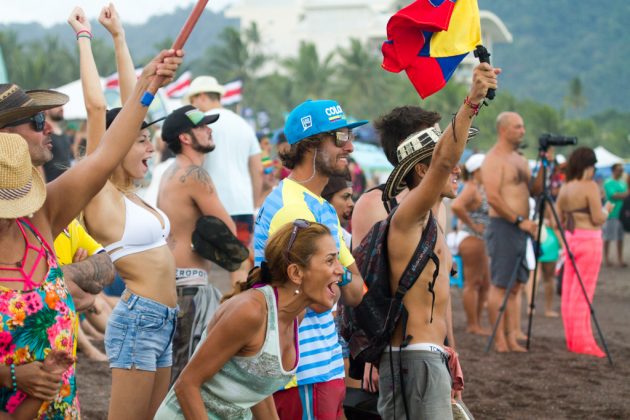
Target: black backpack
[[624, 214], [368, 328]]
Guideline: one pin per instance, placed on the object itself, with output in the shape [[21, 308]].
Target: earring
[[297, 292]]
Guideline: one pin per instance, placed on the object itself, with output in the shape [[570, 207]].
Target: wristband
[[84, 36], [13, 378], [84, 31], [346, 278], [147, 98], [475, 107]]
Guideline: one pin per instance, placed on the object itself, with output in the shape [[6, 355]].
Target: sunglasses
[[297, 225], [38, 120], [341, 138]]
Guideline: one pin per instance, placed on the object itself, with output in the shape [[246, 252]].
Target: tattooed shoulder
[[198, 174]]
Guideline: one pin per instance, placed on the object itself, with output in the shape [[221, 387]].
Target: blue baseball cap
[[315, 117]]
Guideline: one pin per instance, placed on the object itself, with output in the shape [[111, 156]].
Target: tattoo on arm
[[198, 174], [92, 273]]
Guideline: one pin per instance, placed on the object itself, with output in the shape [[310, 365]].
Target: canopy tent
[[75, 108], [605, 158], [372, 160]]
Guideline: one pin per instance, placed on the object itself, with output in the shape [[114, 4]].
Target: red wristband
[[475, 107], [84, 31]]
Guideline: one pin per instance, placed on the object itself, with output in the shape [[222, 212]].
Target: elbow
[[95, 108]]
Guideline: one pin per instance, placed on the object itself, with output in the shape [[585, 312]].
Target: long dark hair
[[580, 159]]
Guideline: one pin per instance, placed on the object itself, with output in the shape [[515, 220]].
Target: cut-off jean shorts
[[140, 334]]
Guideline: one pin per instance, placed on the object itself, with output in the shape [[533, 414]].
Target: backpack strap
[[420, 257]]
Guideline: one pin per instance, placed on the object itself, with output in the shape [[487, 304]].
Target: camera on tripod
[[546, 140]]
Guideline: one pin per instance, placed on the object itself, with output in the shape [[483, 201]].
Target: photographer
[[506, 179]]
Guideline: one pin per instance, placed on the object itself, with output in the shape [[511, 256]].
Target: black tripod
[[545, 199]]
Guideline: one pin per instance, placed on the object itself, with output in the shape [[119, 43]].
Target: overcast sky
[[49, 12]]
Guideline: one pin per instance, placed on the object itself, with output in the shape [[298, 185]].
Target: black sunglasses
[[341, 138], [297, 225], [38, 120]]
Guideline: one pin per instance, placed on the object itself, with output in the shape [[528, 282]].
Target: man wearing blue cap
[[320, 140]]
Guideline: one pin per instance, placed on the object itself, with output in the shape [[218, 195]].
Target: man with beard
[[185, 194], [61, 146], [320, 141]]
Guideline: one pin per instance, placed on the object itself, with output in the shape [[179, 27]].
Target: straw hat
[[203, 84], [22, 189], [414, 149], [16, 104]]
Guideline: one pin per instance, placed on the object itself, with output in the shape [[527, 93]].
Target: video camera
[[546, 140]]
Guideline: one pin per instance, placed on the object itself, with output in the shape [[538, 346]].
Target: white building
[[330, 24]]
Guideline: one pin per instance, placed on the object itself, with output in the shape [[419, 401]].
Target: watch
[[519, 220]]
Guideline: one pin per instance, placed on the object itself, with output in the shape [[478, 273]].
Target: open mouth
[[331, 287], [145, 163]]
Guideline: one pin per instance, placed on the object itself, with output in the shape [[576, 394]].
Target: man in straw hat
[[28, 263], [235, 165], [320, 140], [427, 165], [22, 112]]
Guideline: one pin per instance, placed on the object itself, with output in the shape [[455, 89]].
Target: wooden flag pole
[[181, 39]]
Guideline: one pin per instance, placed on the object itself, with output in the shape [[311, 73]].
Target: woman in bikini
[[37, 315], [250, 348], [471, 207], [580, 209], [141, 327]]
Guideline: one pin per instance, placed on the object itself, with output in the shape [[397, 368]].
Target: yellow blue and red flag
[[429, 38]]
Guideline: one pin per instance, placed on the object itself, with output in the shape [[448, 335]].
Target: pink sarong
[[586, 246]]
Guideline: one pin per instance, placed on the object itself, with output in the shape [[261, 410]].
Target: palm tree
[[362, 84], [310, 77], [238, 55], [575, 98]]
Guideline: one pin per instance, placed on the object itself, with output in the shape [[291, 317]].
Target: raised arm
[[110, 19], [93, 96], [84, 180], [414, 208]]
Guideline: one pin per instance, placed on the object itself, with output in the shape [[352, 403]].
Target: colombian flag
[[429, 38]]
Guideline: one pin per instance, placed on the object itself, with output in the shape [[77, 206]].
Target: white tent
[[75, 108], [605, 158]]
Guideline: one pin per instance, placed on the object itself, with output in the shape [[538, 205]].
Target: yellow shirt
[[72, 238]]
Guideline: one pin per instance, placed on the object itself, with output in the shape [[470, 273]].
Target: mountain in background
[[557, 41], [143, 40], [554, 43]]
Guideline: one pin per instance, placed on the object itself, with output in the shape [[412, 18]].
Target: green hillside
[[557, 41]]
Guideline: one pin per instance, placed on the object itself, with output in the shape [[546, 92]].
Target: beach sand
[[546, 383]]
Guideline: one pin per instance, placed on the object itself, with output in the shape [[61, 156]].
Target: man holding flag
[[427, 39]]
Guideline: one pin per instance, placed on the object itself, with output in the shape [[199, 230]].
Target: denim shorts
[[140, 334]]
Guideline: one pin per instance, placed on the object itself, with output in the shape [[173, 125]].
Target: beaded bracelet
[[13, 378], [475, 107]]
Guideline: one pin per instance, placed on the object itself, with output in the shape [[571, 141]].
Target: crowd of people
[[86, 254]]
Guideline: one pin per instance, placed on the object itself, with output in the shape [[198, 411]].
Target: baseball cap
[[113, 113], [314, 117], [182, 120], [474, 162]]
